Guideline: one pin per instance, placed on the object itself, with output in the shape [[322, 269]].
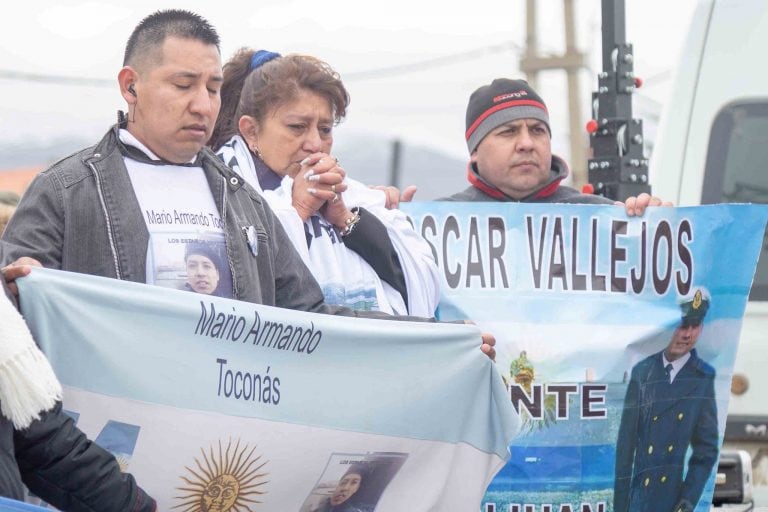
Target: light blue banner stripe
[[417, 380]]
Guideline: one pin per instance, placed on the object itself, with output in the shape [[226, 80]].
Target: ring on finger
[[333, 188]]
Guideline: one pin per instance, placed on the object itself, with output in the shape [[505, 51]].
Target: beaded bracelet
[[351, 222]]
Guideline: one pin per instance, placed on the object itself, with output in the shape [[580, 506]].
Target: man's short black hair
[[151, 32]]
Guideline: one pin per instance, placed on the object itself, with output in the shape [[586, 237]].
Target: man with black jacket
[[40, 446]]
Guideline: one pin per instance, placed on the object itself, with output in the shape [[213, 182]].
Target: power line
[[400, 69], [385, 72], [56, 79], [423, 65]]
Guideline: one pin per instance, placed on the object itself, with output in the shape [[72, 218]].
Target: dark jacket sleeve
[[704, 446], [61, 465], [371, 241], [625, 445]]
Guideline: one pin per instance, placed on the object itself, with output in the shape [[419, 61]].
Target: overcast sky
[[424, 106]]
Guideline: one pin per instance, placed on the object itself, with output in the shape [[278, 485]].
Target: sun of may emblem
[[229, 480]]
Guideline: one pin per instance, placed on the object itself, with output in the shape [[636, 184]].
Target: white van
[[712, 147]]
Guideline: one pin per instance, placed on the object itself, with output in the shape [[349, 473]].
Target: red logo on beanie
[[519, 94]]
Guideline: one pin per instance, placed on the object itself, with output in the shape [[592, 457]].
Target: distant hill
[[39, 153], [16, 180], [366, 158]]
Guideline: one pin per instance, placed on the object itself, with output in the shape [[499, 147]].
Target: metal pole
[[395, 167], [618, 168], [531, 42]]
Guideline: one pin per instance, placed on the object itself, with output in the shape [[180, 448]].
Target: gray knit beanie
[[502, 101]]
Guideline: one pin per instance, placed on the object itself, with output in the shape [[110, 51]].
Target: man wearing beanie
[[509, 141]]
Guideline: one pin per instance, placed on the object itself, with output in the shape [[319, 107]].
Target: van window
[[737, 168]]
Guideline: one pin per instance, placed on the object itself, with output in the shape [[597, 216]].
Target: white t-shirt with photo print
[[181, 218]]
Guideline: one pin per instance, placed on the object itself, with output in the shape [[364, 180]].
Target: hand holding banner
[[209, 401]]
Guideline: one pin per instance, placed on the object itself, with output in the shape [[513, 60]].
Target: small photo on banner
[[193, 262], [353, 482]]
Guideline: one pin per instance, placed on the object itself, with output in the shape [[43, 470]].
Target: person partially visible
[[344, 496], [8, 202], [669, 412], [6, 211], [40, 446], [9, 197], [510, 144], [202, 264], [276, 130]]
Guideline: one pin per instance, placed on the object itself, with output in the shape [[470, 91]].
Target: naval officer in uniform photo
[[669, 407]]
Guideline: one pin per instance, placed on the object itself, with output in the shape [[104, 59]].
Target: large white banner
[[220, 405]]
